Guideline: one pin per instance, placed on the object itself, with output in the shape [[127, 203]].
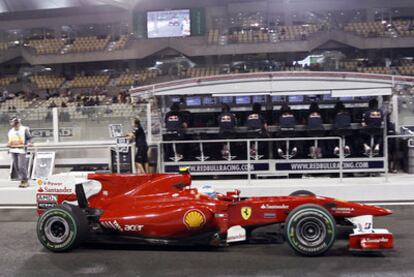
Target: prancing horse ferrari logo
[[246, 212]]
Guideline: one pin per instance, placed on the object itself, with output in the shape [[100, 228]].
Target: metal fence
[[271, 166]]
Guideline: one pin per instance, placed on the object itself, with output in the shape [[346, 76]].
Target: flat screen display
[[365, 98], [295, 99], [164, 24], [193, 101], [278, 99], [174, 99], [226, 99], [209, 100], [328, 98], [242, 100], [259, 99], [313, 98]]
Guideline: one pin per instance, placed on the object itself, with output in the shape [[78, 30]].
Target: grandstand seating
[[4, 45], [348, 65], [199, 72], [375, 70], [128, 78], [19, 103], [89, 81], [367, 29], [249, 37], [5, 81], [213, 36], [118, 44], [404, 27], [105, 110], [297, 32], [46, 46], [406, 69], [86, 44], [293, 32], [47, 81]]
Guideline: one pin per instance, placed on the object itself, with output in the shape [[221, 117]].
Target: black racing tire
[[310, 230], [62, 228], [302, 193]]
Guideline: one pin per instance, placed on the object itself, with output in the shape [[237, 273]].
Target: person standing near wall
[[19, 138], [141, 156]]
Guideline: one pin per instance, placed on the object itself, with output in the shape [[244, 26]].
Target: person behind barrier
[[257, 126], [174, 122], [19, 138], [227, 122], [315, 119], [372, 119], [255, 120], [227, 125], [141, 155], [315, 128], [342, 121], [175, 126], [287, 122]]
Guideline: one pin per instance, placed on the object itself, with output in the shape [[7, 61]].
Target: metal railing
[[247, 143], [81, 145]]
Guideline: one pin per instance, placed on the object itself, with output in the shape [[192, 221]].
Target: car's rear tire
[[62, 228], [302, 193], [310, 230]]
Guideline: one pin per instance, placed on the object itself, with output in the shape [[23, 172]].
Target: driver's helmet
[[208, 190]]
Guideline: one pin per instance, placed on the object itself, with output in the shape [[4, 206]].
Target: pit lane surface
[[22, 255]]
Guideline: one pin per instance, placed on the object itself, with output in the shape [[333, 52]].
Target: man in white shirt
[[19, 139]]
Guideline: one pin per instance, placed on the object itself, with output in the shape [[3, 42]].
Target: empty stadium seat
[[128, 78], [47, 46], [47, 81], [89, 81], [5, 81], [118, 44], [366, 29], [87, 44]]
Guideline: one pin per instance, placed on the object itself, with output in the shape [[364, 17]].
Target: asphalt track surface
[[22, 255]]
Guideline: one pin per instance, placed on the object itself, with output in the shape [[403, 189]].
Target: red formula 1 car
[[163, 209]]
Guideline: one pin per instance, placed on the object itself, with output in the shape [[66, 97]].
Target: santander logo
[[365, 241]]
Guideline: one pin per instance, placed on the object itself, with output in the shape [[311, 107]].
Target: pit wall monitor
[[192, 101], [209, 100], [173, 99], [346, 98], [296, 99], [243, 100], [259, 99], [278, 99], [328, 98], [226, 99]]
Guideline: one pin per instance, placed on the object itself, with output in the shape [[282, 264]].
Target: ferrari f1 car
[[163, 209]]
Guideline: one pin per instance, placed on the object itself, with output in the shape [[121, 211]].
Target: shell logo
[[194, 219], [40, 182]]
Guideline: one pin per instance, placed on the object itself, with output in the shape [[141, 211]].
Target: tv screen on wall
[[164, 24]]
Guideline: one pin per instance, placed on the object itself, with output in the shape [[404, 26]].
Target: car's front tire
[[62, 228], [310, 230]]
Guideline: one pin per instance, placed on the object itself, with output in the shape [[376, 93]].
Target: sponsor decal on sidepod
[[194, 219], [274, 207]]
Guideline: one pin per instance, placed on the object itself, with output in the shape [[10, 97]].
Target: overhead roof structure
[[10, 6]]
